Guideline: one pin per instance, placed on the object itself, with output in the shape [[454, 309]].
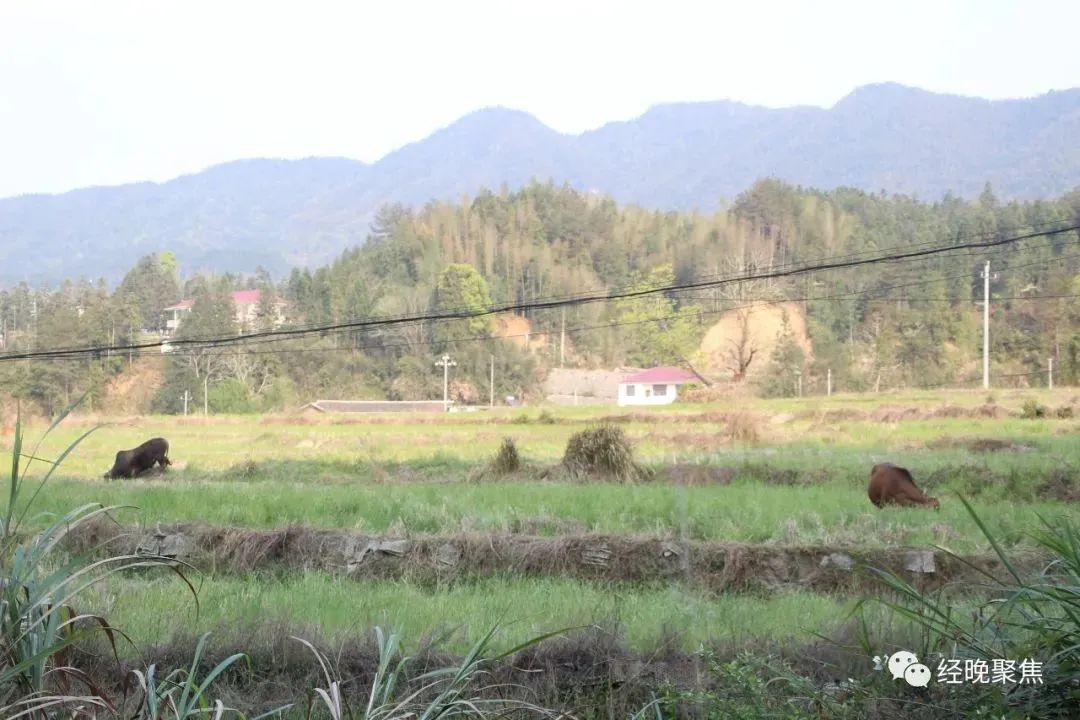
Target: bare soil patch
[[1063, 484], [901, 413], [690, 474], [132, 391], [980, 445], [764, 324]]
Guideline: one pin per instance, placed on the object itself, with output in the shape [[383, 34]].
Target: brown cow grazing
[[892, 485], [132, 463]]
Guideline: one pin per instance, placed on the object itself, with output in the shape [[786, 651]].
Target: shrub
[[231, 397], [691, 390], [507, 460], [1065, 412], [602, 451], [1032, 410], [544, 418]]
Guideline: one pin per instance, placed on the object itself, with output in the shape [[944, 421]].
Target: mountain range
[[285, 213]]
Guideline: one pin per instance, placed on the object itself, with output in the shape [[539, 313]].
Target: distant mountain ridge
[[283, 213]]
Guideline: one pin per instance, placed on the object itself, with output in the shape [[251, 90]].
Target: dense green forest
[[887, 325]]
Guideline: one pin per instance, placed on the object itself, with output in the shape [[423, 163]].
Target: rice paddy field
[[751, 480]]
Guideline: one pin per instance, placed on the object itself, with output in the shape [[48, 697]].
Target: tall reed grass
[[1021, 617]]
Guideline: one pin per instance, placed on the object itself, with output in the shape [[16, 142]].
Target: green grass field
[[802, 482], [799, 478], [743, 512], [317, 603], [453, 443]]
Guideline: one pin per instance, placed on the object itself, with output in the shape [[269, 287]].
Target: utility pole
[[562, 338], [186, 393], [828, 382], [491, 400], [33, 317], [445, 363], [798, 382], [1050, 373], [205, 395], [986, 276]]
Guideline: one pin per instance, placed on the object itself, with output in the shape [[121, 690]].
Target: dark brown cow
[[132, 463], [892, 485]]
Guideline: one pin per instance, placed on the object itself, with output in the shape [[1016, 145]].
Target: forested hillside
[[888, 325], [283, 214]]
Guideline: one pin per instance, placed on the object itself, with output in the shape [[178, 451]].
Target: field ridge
[[598, 557]]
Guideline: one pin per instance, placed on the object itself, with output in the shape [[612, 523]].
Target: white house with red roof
[[655, 386], [247, 307]]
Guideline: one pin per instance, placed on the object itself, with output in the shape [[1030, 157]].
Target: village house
[[655, 386], [247, 308]]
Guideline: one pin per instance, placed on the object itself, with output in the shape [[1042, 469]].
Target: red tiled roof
[[246, 297], [240, 297], [662, 375]]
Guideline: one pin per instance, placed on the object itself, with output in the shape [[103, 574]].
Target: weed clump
[[507, 461], [743, 427], [602, 451], [544, 418], [1062, 484], [1032, 410]]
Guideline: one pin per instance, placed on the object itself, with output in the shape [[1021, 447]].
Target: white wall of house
[[172, 320], [647, 393], [245, 316]]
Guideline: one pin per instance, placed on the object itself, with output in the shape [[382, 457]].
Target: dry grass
[[695, 474], [132, 392], [979, 445], [744, 427], [507, 461], [902, 413], [602, 452], [721, 392], [436, 560], [1063, 484]]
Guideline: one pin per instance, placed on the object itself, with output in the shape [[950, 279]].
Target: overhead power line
[[747, 303], [547, 304], [878, 294], [320, 328]]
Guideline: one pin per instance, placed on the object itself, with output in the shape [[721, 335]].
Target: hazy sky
[[110, 91]]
